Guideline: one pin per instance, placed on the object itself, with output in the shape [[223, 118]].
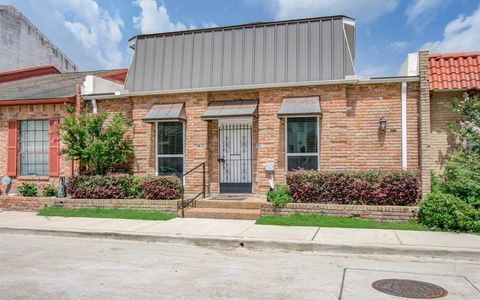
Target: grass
[[342, 222], [105, 213]]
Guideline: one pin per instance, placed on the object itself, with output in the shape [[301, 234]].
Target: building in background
[[22, 45], [32, 103]]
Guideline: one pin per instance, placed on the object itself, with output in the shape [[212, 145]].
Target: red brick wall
[[29, 112], [349, 135]]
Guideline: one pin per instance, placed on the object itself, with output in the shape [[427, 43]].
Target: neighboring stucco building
[[22, 45], [254, 101]]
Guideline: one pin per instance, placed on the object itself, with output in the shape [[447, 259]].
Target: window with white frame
[[33, 144], [302, 143], [170, 153]]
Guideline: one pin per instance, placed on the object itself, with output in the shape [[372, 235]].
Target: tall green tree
[[99, 145]]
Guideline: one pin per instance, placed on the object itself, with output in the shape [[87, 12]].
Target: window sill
[[33, 178]]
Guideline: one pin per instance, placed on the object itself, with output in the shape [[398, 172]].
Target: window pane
[[33, 146], [302, 162], [170, 138], [302, 135], [170, 166]]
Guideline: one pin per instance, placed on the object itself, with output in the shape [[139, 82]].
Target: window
[[302, 143], [170, 148], [34, 148]]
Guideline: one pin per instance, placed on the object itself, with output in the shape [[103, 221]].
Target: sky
[[95, 33]]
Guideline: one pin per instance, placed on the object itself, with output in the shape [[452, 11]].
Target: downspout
[[94, 107], [404, 125]]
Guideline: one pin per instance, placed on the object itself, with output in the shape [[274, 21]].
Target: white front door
[[235, 156]]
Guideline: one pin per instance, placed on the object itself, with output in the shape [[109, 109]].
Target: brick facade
[[29, 112], [426, 161], [441, 140], [350, 138]]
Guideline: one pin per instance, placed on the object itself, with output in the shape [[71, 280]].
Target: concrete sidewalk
[[245, 233]]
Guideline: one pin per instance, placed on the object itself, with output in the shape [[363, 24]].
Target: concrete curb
[[260, 244]]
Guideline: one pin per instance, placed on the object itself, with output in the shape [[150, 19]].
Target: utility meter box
[[270, 166]]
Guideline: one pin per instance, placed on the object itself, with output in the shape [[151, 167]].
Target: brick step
[[230, 204], [223, 213]]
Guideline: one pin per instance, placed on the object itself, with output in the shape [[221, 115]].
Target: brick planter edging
[[375, 212], [19, 203]]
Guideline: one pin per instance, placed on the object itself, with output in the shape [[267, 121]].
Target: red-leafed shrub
[[360, 187], [161, 188], [104, 187]]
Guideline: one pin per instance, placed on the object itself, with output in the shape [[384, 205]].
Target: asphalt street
[[41, 267]]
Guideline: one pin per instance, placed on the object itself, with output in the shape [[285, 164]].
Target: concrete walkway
[[245, 233]]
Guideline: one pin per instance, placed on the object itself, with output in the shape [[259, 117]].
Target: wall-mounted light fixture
[[383, 123]]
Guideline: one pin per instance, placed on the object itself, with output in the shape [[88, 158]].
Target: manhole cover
[[412, 289]]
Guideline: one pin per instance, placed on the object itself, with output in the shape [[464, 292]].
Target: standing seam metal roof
[[275, 52]]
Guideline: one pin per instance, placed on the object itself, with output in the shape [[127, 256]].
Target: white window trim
[[301, 154], [169, 155]]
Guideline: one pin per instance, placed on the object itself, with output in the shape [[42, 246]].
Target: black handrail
[[183, 203]]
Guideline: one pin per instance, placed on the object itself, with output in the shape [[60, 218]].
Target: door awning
[[166, 112], [230, 108], [300, 106]]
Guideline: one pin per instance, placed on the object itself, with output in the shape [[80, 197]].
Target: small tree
[[99, 146], [468, 128], [462, 171]]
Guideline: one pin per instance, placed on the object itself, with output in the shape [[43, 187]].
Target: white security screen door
[[235, 156]]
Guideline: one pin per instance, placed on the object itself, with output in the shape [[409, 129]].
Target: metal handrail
[[183, 203]]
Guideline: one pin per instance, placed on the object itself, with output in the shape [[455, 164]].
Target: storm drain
[[412, 289]]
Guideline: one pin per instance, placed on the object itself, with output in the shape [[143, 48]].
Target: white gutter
[[404, 125], [126, 93]]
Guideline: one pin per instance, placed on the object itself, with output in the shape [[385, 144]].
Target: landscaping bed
[[20, 203], [105, 213], [374, 212]]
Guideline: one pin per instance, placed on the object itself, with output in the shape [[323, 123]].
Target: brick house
[[254, 101], [451, 75], [32, 103]]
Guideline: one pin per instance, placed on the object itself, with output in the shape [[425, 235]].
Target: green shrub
[[135, 189], [279, 196], [462, 177], [98, 141], [28, 189], [49, 190], [447, 212]]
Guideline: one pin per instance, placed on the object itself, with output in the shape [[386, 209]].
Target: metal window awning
[[300, 106], [166, 112], [230, 108]]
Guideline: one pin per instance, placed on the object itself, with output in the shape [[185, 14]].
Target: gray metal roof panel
[[279, 52], [300, 106], [165, 112]]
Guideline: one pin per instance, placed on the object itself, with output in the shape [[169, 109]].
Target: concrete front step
[[222, 213], [230, 204]]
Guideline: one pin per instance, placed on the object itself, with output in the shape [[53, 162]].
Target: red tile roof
[[457, 71], [20, 74]]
